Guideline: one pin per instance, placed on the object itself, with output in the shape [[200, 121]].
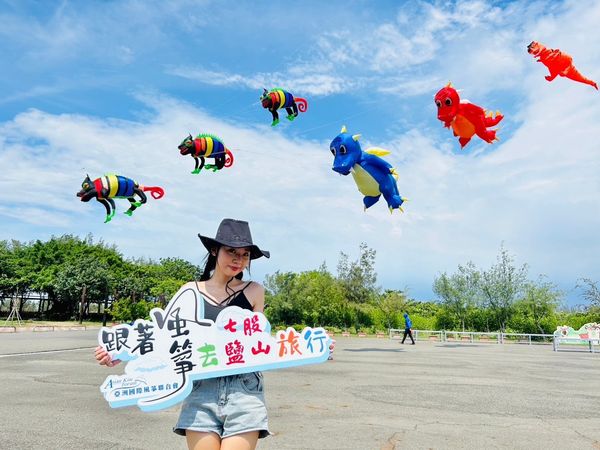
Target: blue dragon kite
[[373, 176]]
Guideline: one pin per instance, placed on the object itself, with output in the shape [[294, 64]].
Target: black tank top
[[238, 298]]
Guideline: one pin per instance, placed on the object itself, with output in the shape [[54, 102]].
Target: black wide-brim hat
[[234, 233]]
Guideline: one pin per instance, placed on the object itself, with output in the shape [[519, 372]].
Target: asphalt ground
[[375, 394]]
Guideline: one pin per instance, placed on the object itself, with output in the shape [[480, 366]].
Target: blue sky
[[113, 87]]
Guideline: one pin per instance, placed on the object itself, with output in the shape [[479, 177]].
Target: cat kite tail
[[373, 176], [558, 63], [466, 119], [108, 187], [279, 99], [206, 146]]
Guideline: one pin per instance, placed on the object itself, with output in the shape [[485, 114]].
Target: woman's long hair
[[211, 263]]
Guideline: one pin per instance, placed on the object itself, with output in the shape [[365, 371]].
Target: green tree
[[501, 285], [281, 305], [168, 276], [358, 277], [125, 310], [591, 291], [178, 269], [391, 303], [7, 269], [481, 319], [536, 311], [320, 296], [164, 289], [459, 291], [133, 281], [50, 258], [312, 297], [22, 268], [81, 281]]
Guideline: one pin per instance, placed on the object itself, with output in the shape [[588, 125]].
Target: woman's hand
[[331, 347], [104, 358]]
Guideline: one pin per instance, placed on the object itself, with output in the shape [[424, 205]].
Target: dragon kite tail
[[302, 104], [574, 74], [491, 120], [228, 158], [156, 191]]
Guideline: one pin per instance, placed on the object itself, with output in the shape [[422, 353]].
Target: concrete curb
[[73, 328]]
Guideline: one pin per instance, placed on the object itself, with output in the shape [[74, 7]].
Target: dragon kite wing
[[377, 151]]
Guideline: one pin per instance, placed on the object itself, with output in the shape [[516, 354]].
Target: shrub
[[125, 310]]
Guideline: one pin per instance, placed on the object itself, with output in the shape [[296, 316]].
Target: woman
[[227, 413]]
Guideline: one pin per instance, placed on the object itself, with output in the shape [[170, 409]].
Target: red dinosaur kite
[[466, 119], [558, 63]]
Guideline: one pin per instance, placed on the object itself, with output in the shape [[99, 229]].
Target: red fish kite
[[558, 63]]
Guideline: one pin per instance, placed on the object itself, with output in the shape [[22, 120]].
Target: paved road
[[376, 394]]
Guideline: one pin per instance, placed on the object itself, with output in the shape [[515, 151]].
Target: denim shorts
[[226, 406]]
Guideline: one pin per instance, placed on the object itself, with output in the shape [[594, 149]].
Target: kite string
[[336, 121], [276, 155]]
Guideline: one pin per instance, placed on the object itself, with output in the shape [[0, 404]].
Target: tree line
[[80, 278], [504, 298], [74, 277], [501, 298]]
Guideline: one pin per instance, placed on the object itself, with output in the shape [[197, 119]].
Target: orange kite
[[558, 63]]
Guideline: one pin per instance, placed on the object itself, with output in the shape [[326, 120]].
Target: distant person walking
[[408, 328]]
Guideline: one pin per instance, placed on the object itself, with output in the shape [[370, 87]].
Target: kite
[[277, 99], [206, 146], [558, 63], [373, 176], [465, 118], [105, 188]]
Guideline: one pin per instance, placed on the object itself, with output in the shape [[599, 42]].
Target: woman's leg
[[243, 441], [199, 440]]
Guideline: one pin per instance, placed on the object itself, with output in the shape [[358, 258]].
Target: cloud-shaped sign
[[177, 346]]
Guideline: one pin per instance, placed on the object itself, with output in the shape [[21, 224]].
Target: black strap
[[227, 299]]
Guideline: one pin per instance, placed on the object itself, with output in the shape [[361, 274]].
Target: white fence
[[576, 344], [475, 337]]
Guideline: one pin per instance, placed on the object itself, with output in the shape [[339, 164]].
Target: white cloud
[[298, 79], [34, 92]]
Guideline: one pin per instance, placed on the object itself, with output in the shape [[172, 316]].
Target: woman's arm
[[255, 294]]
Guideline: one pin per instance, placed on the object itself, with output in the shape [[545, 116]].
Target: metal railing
[[575, 344], [473, 336]]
